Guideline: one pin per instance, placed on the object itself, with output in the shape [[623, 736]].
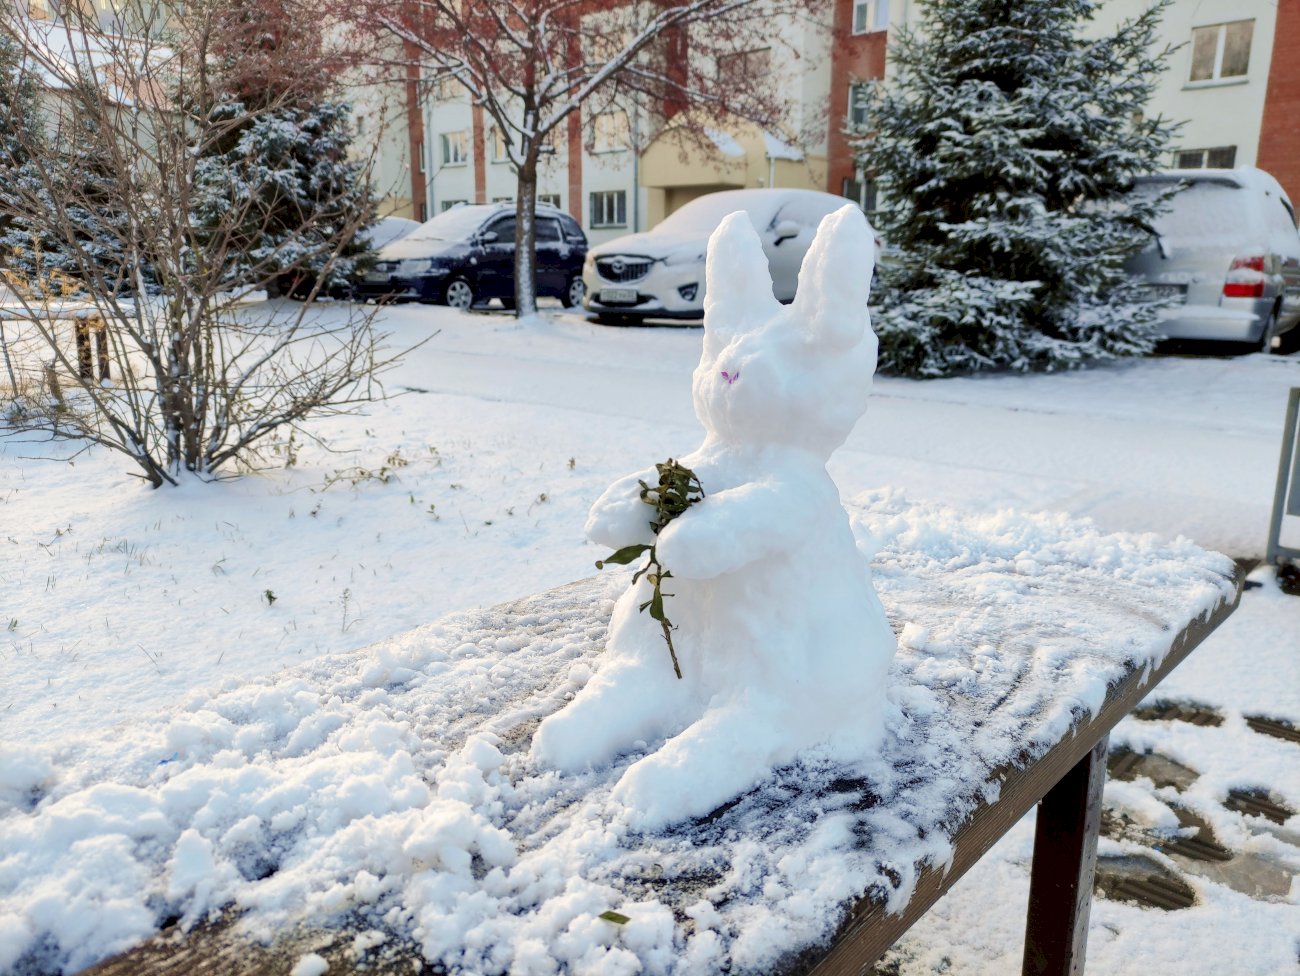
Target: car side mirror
[[487, 237], [785, 230]]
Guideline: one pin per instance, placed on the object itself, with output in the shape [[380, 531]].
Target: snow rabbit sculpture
[[784, 645]]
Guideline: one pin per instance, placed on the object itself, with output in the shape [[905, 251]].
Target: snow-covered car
[[386, 230], [1226, 254], [466, 255], [660, 273]]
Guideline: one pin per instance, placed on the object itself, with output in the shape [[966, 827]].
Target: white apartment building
[[608, 167]]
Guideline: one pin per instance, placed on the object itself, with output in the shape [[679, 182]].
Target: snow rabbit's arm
[[733, 528], [620, 518]]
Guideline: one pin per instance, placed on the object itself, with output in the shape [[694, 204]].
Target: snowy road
[[1175, 446]]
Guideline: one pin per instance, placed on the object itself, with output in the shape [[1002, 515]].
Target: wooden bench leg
[[101, 351], [1065, 859], [81, 329]]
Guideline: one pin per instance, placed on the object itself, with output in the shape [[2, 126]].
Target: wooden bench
[[89, 335], [1062, 772], [1066, 784]]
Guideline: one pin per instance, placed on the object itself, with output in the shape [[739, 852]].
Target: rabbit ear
[[835, 280], [738, 286]]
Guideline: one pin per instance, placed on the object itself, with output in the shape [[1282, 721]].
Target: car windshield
[[456, 224], [703, 214], [386, 230]]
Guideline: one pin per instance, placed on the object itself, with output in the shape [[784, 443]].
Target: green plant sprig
[[678, 490]]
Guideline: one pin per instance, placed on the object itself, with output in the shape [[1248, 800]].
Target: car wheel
[[458, 294], [1270, 337], [575, 292], [1289, 341], [293, 287]]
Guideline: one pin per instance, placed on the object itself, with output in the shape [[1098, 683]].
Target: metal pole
[[1276, 551]]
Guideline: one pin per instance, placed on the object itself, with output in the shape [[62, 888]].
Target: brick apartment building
[[1279, 140], [1234, 81]]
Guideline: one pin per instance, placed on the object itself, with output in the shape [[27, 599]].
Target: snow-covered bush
[[130, 152], [783, 644], [1005, 148]]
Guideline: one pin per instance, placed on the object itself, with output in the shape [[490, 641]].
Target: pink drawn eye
[[730, 377]]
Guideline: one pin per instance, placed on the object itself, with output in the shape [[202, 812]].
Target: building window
[[859, 95], [498, 146], [861, 191], [1221, 51], [448, 204], [503, 199], [549, 200], [609, 208], [870, 15], [753, 65], [420, 160], [424, 212], [446, 88], [1224, 157], [455, 148], [610, 132]]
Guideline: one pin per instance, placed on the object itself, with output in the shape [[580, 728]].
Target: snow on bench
[[378, 808]]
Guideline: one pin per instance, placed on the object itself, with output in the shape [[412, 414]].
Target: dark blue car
[[466, 256]]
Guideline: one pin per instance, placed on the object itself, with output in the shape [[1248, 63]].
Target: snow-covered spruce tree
[[67, 164], [27, 255], [97, 230], [289, 176], [277, 153], [1005, 149]]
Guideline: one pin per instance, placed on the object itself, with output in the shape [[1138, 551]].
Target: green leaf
[[623, 556], [614, 917], [678, 490]]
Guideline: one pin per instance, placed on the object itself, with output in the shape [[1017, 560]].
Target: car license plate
[[624, 295], [1159, 293]]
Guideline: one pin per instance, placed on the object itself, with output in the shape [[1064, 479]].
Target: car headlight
[[684, 257]]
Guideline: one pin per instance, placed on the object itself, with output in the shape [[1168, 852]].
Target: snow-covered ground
[[471, 488]]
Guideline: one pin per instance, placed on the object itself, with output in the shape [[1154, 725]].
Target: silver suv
[[1227, 254]]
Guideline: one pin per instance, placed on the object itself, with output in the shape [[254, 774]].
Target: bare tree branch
[[530, 65]]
